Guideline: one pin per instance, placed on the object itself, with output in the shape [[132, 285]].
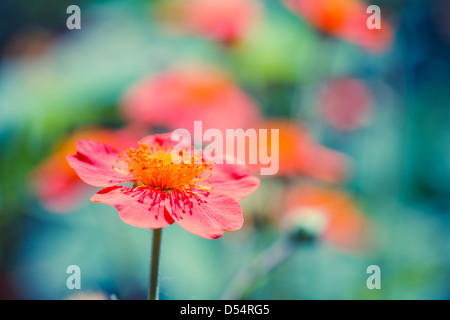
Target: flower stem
[[156, 248], [246, 281]]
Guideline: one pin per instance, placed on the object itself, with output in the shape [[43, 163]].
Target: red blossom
[[198, 195]]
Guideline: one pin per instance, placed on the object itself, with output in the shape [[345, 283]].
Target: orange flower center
[[166, 169]]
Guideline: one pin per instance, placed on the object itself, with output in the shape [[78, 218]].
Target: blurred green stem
[[156, 248], [248, 278]]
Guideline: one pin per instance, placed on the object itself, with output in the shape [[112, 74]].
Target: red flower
[[170, 185], [194, 93], [57, 186], [345, 19]]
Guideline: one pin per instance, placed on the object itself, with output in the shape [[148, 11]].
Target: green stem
[[246, 280], [156, 248]]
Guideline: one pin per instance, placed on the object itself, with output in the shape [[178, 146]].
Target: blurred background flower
[[364, 158], [178, 97], [345, 103], [325, 213], [56, 184], [226, 21], [298, 153], [345, 19]]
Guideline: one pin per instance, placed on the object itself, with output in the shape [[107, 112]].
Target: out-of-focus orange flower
[[226, 21], [56, 184], [345, 103], [332, 214], [178, 97], [299, 154], [346, 19]]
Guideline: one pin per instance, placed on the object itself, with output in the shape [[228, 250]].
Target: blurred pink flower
[[226, 21], [346, 19], [176, 98], [56, 184], [345, 103]]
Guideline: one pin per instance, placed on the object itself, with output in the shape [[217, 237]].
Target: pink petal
[[139, 207], [229, 166], [94, 162], [237, 189], [233, 180], [205, 214]]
